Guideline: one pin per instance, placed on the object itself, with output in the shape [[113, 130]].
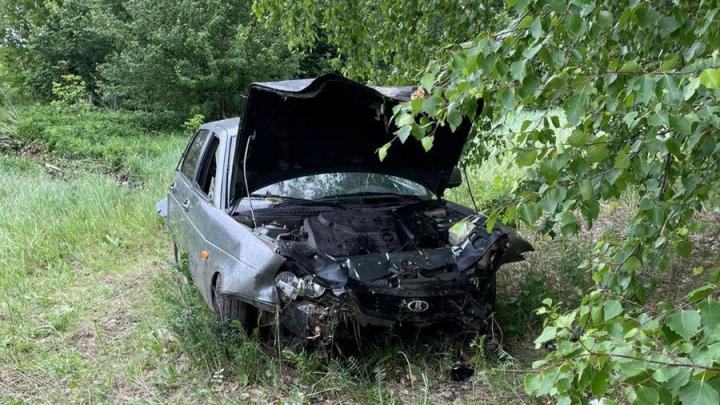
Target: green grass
[[92, 310]]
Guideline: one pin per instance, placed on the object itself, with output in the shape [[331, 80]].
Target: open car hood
[[332, 124]]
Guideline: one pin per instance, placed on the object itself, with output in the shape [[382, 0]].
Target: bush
[[86, 133]]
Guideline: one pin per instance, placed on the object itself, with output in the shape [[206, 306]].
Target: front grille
[[394, 307]]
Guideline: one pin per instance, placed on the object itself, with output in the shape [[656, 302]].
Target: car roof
[[229, 125]]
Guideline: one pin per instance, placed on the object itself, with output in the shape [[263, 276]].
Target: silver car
[[289, 214]]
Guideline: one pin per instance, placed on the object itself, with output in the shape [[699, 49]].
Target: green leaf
[[685, 323], [454, 119], [701, 292], [536, 28], [622, 160], [689, 89], [577, 138], [427, 142], [597, 153], [403, 133], [586, 189], [680, 124], [611, 309], [631, 264], [630, 67], [573, 22], [382, 151], [526, 157], [547, 335], [555, 121], [600, 382], [404, 119], [530, 212], [646, 396], [507, 98], [427, 81], [670, 63], [646, 89], [575, 108], [668, 25], [517, 69], [698, 393], [492, 219], [605, 19], [673, 147], [710, 78]]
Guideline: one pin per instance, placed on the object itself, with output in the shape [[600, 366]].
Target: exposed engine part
[[273, 230], [366, 231], [352, 232], [416, 264], [304, 318]]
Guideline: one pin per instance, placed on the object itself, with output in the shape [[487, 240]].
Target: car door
[[208, 251], [182, 191]]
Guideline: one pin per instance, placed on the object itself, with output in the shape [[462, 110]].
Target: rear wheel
[[229, 308]]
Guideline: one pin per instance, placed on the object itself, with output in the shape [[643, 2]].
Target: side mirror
[[455, 178]]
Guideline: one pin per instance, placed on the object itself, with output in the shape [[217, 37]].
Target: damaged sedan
[[288, 214]]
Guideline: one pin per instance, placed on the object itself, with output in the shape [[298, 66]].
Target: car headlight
[[291, 286], [311, 289], [288, 285]]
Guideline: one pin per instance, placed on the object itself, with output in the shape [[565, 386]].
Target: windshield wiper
[[370, 194], [302, 201]]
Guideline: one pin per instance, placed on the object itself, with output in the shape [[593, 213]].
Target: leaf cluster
[[624, 100]]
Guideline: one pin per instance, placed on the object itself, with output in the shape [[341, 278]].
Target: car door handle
[[186, 204], [171, 187]]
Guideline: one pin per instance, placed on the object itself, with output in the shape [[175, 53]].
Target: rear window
[[192, 156]]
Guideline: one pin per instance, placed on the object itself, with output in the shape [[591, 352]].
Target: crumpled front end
[[416, 266]]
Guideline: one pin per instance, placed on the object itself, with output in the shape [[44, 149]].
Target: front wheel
[[229, 308]]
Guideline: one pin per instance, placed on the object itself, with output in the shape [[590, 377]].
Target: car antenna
[[247, 187], [467, 182]]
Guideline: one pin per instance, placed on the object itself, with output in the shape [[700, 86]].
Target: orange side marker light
[[204, 255]]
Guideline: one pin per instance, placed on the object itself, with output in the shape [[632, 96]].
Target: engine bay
[[385, 239], [385, 260], [360, 230]]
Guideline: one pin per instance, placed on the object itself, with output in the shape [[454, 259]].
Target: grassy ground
[[93, 310]]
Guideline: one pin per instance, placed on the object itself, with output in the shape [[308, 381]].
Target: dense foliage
[[635, 86], [187, 57], [198, 56], [53, 38]]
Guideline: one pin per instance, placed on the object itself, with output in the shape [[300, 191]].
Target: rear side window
[[192, 156]]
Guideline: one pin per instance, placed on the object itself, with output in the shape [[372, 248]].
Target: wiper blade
[[370, 194], [303, 201]]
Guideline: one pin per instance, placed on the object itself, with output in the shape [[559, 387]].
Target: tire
[[229, 308]]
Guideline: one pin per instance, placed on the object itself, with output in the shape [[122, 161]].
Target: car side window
[[208, 167], [192, 155]]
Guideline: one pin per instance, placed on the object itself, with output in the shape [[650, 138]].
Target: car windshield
[[328, 185]]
